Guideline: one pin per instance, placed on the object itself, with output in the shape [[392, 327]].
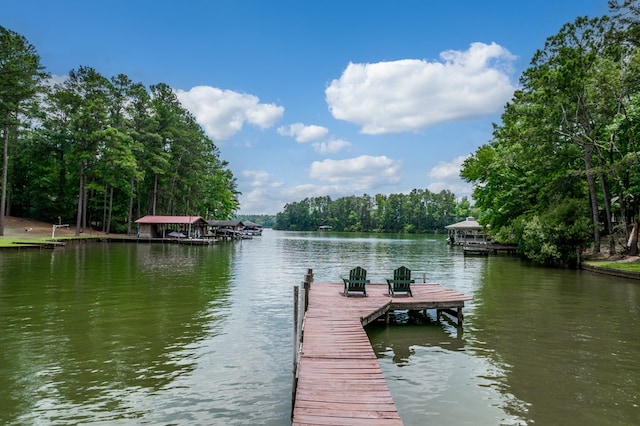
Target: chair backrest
[[358, 273], [402, 273]]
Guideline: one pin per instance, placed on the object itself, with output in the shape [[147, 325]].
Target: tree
[[565, 70], [420, 211], [21, 76], [85, 101], [567, 135]]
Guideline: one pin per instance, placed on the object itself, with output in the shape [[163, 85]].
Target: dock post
[[296, 324], [308, 279], [296, 345]]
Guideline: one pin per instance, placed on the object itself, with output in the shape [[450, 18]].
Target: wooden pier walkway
[[338, 379]]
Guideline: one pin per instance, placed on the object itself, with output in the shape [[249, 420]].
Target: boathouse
[[171, 226], [251, 228], [226, 228], [465, 232]]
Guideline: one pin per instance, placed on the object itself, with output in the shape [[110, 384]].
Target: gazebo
[[467, 231]]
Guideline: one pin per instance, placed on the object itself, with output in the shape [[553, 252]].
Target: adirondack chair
[[357, 281], [401, 281]]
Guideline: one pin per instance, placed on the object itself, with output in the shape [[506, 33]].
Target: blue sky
[[313, 98]]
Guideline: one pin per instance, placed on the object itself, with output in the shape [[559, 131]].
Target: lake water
[[128, 334]]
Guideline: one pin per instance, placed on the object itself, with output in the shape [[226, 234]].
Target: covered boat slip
[[338, 380], [194, 228]]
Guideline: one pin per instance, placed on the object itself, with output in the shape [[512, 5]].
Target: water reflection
[[154, 334], [560, 337], [400, 341], [103, 325], [434, 380]]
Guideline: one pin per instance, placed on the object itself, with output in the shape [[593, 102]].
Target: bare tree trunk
[[110, 210], [104, 209], [595, 216], [130, 214], [632, 245], [80, 200], [607, 208], [5, 165], [155, 195], [84, 203]]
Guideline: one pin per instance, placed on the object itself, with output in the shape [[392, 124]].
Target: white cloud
[[363, 173], [448, 171], [314, 134], [222, 113], [411, 94], [335, 178], [460, 189], [303, 133], [447, 177], [264, 196], [331, 146]]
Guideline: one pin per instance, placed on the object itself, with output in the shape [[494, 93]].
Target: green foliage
[[21, 77], [567, 146], [559, 235], [417, 212], [106, 151]]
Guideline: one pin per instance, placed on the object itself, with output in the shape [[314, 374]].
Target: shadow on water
[[433, 377], [411, 330]]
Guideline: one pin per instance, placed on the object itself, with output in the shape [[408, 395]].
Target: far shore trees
[[420, 211]]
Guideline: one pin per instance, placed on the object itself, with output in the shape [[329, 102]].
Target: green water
[[128, 334]]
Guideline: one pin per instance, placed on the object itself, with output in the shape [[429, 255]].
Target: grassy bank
[[622, 266]]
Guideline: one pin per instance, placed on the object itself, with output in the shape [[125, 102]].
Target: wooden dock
[[338, 380], [484, 249]]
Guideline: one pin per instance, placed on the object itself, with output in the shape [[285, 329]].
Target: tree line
[[419, 211], [101, 151], [561, 173]]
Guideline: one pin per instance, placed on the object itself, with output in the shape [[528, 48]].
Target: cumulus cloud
[[303, 133], [222, 113], [336, 178], [312, 133], [411, 94], [447, 177], [331, 146], [448, 171], [264, 196], [362, 173]]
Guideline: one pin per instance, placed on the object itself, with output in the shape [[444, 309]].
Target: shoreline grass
[[12, 242], [622, 266]]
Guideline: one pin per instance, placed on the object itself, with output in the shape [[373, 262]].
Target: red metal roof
[[185, 220]]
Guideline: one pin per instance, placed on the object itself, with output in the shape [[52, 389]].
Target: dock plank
[[339, 380]]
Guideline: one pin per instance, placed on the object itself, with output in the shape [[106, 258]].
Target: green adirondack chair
[[401, 281], [357, 281]]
